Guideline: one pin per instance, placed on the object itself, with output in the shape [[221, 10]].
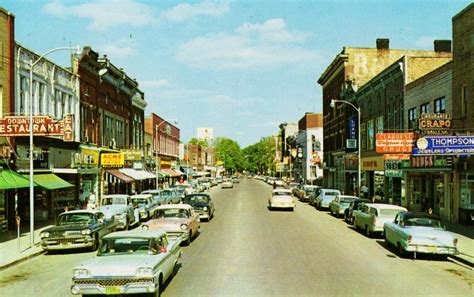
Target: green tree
[[228, 151], [200, 142], [259, 156]]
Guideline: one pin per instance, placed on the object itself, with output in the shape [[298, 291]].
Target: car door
[[194, 220], [391, 231], [102, 227]]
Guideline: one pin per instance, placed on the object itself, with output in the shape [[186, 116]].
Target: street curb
[[21, 260], [465, 262]]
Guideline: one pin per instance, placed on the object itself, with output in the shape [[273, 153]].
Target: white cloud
[[273, 30], [184, 11], [425, 42], [272, 45], [105, 14], [120, 48]]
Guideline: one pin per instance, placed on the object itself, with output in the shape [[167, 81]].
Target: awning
[[171, 172], [12, 180], [202, 173], [137, 174], [50, 181], [178, 171], [119, 175]]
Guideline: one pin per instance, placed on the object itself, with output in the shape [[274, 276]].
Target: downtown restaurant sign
[[42, 126], [444, 145]]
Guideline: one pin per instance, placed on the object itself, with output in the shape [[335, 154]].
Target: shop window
[[467, 192], [439, 192], [363, 136], [380, 124]]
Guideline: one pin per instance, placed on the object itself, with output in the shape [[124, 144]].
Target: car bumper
[[132, 288], [430, 249], [204, 215], [121, 222], [282, 205], [324, 204], [51, 244]]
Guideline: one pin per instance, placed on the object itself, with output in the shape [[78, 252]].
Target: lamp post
[[333, 104], [32, 204], [158, 150]]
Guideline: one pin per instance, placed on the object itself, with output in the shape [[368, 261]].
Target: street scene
[[236, 148]]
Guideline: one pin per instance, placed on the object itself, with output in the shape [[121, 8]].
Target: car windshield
[[75, 218], [331, 194], [389, 212], [166, 193], [347, 200], [172, 213], [140, 200], [423, 222], [197, 198], [117, 246], [114, 200]]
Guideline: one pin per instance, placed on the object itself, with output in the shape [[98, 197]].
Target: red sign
[[42, 126], [394, 143]]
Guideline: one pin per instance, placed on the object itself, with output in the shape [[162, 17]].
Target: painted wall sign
[[434, 123], [438, 162], [394, 143], [444, 145], [373, 163], [42, 126]]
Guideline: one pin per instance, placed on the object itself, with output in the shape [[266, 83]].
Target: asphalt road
[[247, 250]]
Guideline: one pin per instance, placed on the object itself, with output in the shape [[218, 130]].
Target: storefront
[[394, 189], [10, 183], [374, 175], [466, 201]]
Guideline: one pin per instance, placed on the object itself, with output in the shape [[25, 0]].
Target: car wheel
[[367, 231], [387, 243], [95, 245], [401, 251], [188, 241], [127, 225]]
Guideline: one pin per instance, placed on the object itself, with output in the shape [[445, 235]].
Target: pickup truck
[[128, 262]]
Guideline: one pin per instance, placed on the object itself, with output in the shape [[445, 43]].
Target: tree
[[200, 142], [229, 152], [259, 156]]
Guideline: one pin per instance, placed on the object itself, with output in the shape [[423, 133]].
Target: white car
[[119, 208], [128, 262], [325, 197], [227, 184], [282, 198], [373, 216]]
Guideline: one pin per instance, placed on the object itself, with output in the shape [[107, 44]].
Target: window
[[23, 95], [363, 137], [440, 105], [464, 98], [57, 104], [42, 98], [425, 108], [412, 118], [380, 124], [370, 135]]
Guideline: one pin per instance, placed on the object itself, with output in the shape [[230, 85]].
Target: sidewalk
[[10, 254], [465, 236]]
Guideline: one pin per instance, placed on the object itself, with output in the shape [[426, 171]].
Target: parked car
[[339, 204], [157, 197], [227, 184], [373, 216], [313, 195], [171, 196], [419, 232], [348, 216], [306, 192], [235, 179], [128, 262], [292, 185], [202, 204], [119, 207], [146, 205], [77, 229], [296, 190], [278, 183], [178, 220], [282, 198], [325, 197]]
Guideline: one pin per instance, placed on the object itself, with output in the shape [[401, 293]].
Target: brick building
[[309, 144]]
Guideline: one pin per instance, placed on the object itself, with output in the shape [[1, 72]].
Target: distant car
[[325, 197], [348, 216], [157, 197], [77, 229], [296, 190], [119, 207], [172, 196], [178, 220], [129, 262], [219, 180], [292, 185], [227, 184], [339, 204], [419, 232], [306, 191], [279, 183], [281, 198], [146, 205], [373, 216], [235, 179], [202, 204]]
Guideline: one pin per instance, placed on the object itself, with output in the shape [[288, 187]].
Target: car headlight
[[184, 227], [44, 234], [144, 272], [145, 227], [86, 232], [81, 273], [205, 208]]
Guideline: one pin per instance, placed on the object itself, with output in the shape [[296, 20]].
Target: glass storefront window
[[439, 191], [467, 191], [3, 211]]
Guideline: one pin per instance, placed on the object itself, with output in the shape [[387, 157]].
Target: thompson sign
[[444, 145], [42, 126]]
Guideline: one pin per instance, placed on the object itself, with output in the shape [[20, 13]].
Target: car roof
[[198, 194], [156, 191], [177, 206], [141, 196], [385, 206], [348, 196], [91, 211], [326, 189], [140, 233], [419, 214], [116, 196]]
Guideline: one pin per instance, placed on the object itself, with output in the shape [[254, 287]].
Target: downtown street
[[247, 250]]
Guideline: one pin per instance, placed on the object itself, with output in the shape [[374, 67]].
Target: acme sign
[[42, 126], [444, 145]]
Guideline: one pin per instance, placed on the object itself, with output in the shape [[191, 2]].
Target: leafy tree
[[229, 152], [259, 156]]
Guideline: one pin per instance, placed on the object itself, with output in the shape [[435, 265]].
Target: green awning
[[162, 174], [51, 181], [12, 180]]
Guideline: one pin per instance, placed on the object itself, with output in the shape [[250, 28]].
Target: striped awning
[[119, 175]]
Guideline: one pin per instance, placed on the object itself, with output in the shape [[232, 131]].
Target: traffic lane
[[284, 253], [46, 275]]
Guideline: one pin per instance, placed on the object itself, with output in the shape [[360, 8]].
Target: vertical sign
[[68, 128]]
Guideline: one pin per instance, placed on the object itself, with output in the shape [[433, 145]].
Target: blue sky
[[240, 67]]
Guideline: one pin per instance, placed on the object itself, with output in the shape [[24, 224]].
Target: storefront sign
[[162, 162], [132, 154], [394, 143], [393, 168], [80, 160], [112, 160], [351, 141], [434, 123], [373, 163], [396, 157], [42, 126], [444, 145], [437, 162]]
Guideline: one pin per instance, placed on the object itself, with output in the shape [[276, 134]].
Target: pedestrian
[[364, 191]]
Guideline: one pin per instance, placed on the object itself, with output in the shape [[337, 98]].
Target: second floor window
[[412, 116], [464, 98], [425, 108], [440, 105]]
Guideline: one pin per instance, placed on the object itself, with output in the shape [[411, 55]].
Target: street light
[[332, 105], [158, 150], [32, 204]]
